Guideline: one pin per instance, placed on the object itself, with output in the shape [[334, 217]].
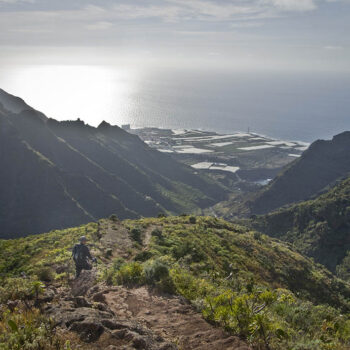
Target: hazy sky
[[281, 34]]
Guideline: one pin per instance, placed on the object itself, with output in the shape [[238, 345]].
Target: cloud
[[292, 5], [168, 10], [16, 1], [101, 25], [333, 48]]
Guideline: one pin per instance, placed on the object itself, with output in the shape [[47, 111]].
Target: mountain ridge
[[99, 171], [320, 165]]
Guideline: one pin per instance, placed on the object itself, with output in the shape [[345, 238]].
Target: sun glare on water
[[92, 93]]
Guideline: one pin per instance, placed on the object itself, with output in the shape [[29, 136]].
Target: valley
[[171, 273], [238, 157]]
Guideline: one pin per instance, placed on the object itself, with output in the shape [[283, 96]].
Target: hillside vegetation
[[318, 228], [252, 286]]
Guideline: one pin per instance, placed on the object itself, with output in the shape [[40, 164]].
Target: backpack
[[78, 255]]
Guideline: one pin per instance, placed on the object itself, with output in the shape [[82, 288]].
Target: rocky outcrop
[[86, 280], [169, 317], [120, 318], [91, 319]]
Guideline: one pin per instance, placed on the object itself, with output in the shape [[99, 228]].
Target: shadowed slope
[[319, 166], [100, 171]]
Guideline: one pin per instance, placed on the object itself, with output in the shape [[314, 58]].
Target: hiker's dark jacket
[[83, 253]]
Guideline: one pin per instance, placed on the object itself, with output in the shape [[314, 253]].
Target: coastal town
[[240, 155]]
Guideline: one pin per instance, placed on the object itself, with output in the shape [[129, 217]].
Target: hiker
[[81, 254]]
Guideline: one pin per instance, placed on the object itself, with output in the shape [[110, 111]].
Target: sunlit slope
[[226, 270], [201, 244]]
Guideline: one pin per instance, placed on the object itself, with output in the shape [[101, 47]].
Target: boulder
[[99, 297], [83, 283], [89, 330], [110, 324], [81, 302], [67, 316], [140, 342]]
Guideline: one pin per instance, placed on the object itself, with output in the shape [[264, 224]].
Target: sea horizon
[[293, 106]]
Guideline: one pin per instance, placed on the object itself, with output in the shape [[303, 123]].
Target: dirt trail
[[148, 235], [171, 318], [115, 237]]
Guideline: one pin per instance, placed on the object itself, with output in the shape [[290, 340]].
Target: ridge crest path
[[169, 317], [172, 318]]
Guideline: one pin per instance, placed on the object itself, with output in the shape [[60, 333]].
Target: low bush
[[28, 330], [130, 274], [136, 235], [109, 275], [154, 271], [157, 233], [157, 274], [192, 220], [144, 256], [114, 218], [108, 253], [17, 288], [45, 274], [166, 285]]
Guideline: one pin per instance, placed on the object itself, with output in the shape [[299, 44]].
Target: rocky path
[[105, 317], [148, 235], [171, 318], [115, 238]]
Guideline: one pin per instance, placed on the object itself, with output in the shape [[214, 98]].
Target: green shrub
[[154, 271], [17, 288], [244, 314], [192, 220], [189, 248], [114, 218], [130, 274], [45, 274], [109, 275], [108, 253], [157, 233], [117, 263], [143, 256], [28, 330], [157, 274], [189, 286], [257, 236], [166, 285], [136, 235]]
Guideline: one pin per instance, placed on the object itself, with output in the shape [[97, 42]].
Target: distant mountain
[[12, 103], [318, 167], [60, 174], [319, 228]]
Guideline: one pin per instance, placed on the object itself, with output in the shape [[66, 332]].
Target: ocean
[[301, 106]]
